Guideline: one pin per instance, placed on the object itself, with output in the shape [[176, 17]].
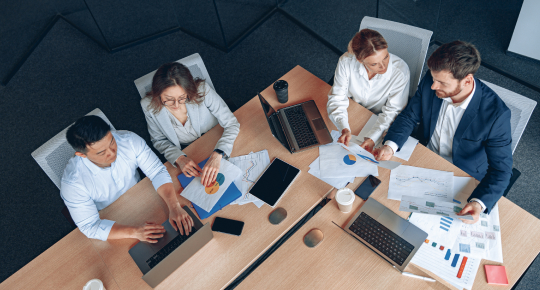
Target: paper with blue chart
[[252, 166], [433, 207], [421, 182], [336, 162], [207, 197]]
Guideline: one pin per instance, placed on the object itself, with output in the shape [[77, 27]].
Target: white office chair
[[193, 62], [54, 155], [408, 42], [521, 108]]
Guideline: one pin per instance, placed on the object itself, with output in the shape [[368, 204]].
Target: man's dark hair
[[458, 57], [86, 131]]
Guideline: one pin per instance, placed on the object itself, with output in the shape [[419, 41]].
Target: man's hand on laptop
[[345, 137], [473, 208], [384, 153], [149, 232], [180, 219]]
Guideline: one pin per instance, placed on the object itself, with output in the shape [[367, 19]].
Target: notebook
[[231, 194]]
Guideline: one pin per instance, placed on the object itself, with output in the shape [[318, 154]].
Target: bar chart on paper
[[455, 268]]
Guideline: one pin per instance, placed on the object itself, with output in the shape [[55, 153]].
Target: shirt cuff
[[342, 124], [392, 145], [161, 178], [480, 202], [104, 228], [375, 136]]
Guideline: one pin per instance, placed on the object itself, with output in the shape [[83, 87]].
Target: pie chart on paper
[[349, 159], [220, 178]]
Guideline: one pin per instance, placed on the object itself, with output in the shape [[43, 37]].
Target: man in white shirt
[[462, 120], [104, 168], [372, 77]]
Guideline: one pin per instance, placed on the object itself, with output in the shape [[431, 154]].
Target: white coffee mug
[[94, 284]]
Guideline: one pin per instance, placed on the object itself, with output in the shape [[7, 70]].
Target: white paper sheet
[[340, 182], [463, 187], [364, 154], [337, 162], [432, 207], [482, 239], [207, 197], [252, 166], [420, 182], [407, 149], [446, 264], [444, 230], [365, 130]]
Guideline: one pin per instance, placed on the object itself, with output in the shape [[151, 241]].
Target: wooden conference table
[[223, 258], [75, 259]]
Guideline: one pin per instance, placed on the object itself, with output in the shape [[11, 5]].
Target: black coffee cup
[[282, 91]]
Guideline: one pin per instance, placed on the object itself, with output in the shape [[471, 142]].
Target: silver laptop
[[387, 234], [298, 127], [157, 261]]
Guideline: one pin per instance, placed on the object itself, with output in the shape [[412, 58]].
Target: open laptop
[[298, 127], [387, 234], [157, 261]]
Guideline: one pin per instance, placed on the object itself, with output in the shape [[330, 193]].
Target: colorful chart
[[349, 159], [220, 178], [368, 159]]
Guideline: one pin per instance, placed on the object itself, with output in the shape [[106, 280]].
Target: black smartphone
[[367, 187], [227, 226]]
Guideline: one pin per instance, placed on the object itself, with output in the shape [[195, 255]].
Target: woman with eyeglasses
[[179, 109]]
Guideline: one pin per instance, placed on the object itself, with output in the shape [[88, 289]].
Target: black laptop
[[298, 127]]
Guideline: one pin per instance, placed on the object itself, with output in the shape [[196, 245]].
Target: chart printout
[[421, 182], [433, 207], [252, 166]]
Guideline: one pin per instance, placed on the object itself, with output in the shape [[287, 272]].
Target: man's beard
[[449, 95]]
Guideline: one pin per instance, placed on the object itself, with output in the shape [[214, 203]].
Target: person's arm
[[226, 119], [338, 102], [498, 148], [159, 139], [162, 182], [396, 102], [84, 213]]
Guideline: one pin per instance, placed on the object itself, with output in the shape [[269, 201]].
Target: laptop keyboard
[[380, 237], [300, 126], [169, 248]]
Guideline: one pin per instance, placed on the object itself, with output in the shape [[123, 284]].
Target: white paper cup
[[94, 284], [345, 199]]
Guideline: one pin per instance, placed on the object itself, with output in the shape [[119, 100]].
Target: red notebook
[[496, 275]]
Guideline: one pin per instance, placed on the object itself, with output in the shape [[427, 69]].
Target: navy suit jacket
[[482, 142]]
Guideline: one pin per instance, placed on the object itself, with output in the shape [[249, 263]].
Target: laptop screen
[[268, 110]]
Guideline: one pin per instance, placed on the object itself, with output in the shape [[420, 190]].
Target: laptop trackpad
[[319, 124], [393, 222]]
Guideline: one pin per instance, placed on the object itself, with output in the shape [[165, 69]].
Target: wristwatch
[[219, 151]]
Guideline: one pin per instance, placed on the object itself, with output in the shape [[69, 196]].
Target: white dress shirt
[[441, 141], [87, 188], [185, 133], [385, 94]]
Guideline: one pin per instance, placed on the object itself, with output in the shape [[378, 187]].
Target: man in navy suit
[[462, 120]]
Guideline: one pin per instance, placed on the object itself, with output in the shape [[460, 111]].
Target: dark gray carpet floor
[[68, 75]]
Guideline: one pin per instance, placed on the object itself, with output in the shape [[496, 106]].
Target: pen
[[418, 277]]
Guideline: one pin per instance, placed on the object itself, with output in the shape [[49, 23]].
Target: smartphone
[[227, 226], [367, 187]]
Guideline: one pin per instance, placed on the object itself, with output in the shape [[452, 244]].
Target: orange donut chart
[[212, 188]]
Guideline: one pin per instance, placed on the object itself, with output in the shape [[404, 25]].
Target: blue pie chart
[[349, 159]]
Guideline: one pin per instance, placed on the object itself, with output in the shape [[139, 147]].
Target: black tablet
[[274, 181]]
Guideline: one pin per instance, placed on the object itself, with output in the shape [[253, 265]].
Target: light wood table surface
[[341, 262], [226, 256]]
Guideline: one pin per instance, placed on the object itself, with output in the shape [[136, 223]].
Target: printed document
[[421, 182]]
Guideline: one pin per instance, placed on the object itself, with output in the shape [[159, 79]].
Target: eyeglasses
[[180, 100]]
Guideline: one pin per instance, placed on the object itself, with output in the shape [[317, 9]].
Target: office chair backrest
[[408, 42], [521, 108], [53, 156], [193, 62]]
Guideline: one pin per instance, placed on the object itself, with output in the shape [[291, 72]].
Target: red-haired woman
[[178, 110], [372, 77]]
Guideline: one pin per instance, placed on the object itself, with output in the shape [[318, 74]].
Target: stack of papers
[[251, 166]]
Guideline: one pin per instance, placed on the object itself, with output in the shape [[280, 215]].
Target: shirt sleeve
[[338, 102], [149, 163], [480, 202], [392, 145], [84, 212], [396, 102]]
